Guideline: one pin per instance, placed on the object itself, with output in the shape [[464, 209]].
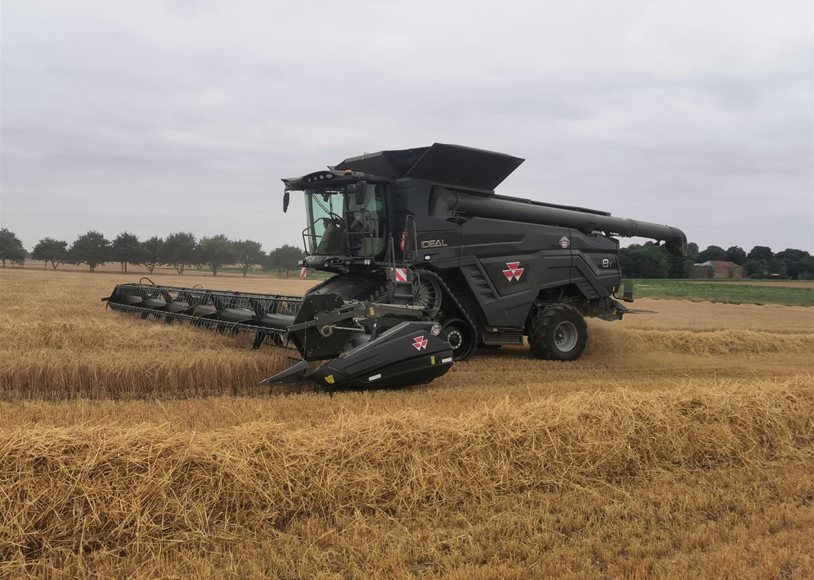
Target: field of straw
[[682, 443]]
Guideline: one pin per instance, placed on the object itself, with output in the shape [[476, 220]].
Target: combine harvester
[[428, 263]]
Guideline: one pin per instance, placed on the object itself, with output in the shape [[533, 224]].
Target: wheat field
[[682, 443]]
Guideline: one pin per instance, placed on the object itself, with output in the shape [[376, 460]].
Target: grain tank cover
[[452, 165], [388, 164]]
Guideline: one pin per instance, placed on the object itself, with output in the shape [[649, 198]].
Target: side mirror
[[286, 200]]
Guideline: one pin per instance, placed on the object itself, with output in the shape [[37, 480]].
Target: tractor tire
[[460, 336], [559, 332]]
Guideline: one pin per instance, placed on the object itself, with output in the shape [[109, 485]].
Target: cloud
[[157, 117]]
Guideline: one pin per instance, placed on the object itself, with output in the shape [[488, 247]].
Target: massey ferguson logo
[[513, 271], [419, 342]]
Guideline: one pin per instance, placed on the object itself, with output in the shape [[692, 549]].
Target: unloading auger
[[428, 264]]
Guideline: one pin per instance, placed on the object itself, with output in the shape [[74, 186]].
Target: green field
[[787, 293]]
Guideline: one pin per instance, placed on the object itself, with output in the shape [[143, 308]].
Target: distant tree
[[736, 254], [806, 268], [216, 252], [11, 248], [248, 253], [678, 266], [126, 248], [151, 253], [795, 261], [760, 253], [792, 254], [284, 258], [692, 252], [777, 268], [91, 248], [179, 251], [711, 253], [51, 250], [645, 261], [756, 268]]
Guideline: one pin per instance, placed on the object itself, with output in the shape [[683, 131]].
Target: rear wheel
[[559, 332], [460, 337]]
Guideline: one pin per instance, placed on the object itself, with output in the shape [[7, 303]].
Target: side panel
[[595, 269], [506, 264], [437, 238]]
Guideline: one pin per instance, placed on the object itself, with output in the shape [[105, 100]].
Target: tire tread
[[538, 339]]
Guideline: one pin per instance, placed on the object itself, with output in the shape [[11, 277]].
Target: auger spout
[[447, 204]]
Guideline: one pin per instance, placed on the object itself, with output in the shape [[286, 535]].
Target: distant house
[[717, 269]]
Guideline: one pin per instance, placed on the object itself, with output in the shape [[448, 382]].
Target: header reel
[[363, 343]]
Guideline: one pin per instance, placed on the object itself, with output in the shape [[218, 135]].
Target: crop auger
[[429, 263]]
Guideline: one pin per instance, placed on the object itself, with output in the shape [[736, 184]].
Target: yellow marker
[[432, 360], [372, 311], [329, 379]]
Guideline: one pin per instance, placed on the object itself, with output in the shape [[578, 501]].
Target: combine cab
[[429, 263]]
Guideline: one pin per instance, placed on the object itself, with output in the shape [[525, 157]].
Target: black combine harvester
[[429, 263]]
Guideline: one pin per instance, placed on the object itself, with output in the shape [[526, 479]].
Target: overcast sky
[[160, 116]]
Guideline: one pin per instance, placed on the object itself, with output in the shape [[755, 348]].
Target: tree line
[[180, 251], [650, 260]]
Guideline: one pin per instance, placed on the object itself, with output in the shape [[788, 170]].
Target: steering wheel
[[334, 219]]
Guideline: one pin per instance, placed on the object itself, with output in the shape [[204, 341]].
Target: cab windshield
[[346, 221]]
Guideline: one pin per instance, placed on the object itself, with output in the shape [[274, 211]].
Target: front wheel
[[460, 337], [559, 332]]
